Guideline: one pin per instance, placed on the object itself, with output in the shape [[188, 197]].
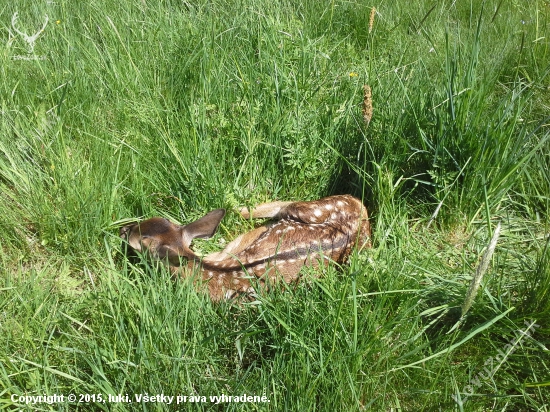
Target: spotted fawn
[[300, 234]]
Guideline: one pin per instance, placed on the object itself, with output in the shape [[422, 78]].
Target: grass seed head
[[367, 104], [371, 18]]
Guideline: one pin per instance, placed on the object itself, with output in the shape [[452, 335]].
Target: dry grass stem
[[481, 269]]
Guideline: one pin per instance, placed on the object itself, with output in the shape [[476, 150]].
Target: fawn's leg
[[265, 210]]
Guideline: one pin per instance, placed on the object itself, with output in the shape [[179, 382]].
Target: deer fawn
[[302, 233]]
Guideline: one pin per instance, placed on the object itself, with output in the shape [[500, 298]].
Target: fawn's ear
[[205, 227], [128, 233]]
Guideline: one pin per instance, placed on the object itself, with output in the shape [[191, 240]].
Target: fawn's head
[[161, 239]]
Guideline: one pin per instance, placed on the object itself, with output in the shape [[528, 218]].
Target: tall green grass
[[136, 109]]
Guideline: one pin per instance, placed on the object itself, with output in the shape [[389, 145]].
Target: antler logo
[[29, 39]]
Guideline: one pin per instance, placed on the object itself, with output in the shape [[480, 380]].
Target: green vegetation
[[123, 110]]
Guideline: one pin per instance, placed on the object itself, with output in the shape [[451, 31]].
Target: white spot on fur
[[317, 212], [329, 206]]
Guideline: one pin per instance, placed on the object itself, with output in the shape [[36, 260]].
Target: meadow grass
[[123, 110]]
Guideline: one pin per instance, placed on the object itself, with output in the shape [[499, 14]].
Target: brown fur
[[302, 233]]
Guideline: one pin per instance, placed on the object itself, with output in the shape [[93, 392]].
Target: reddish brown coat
[[302, 233]]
